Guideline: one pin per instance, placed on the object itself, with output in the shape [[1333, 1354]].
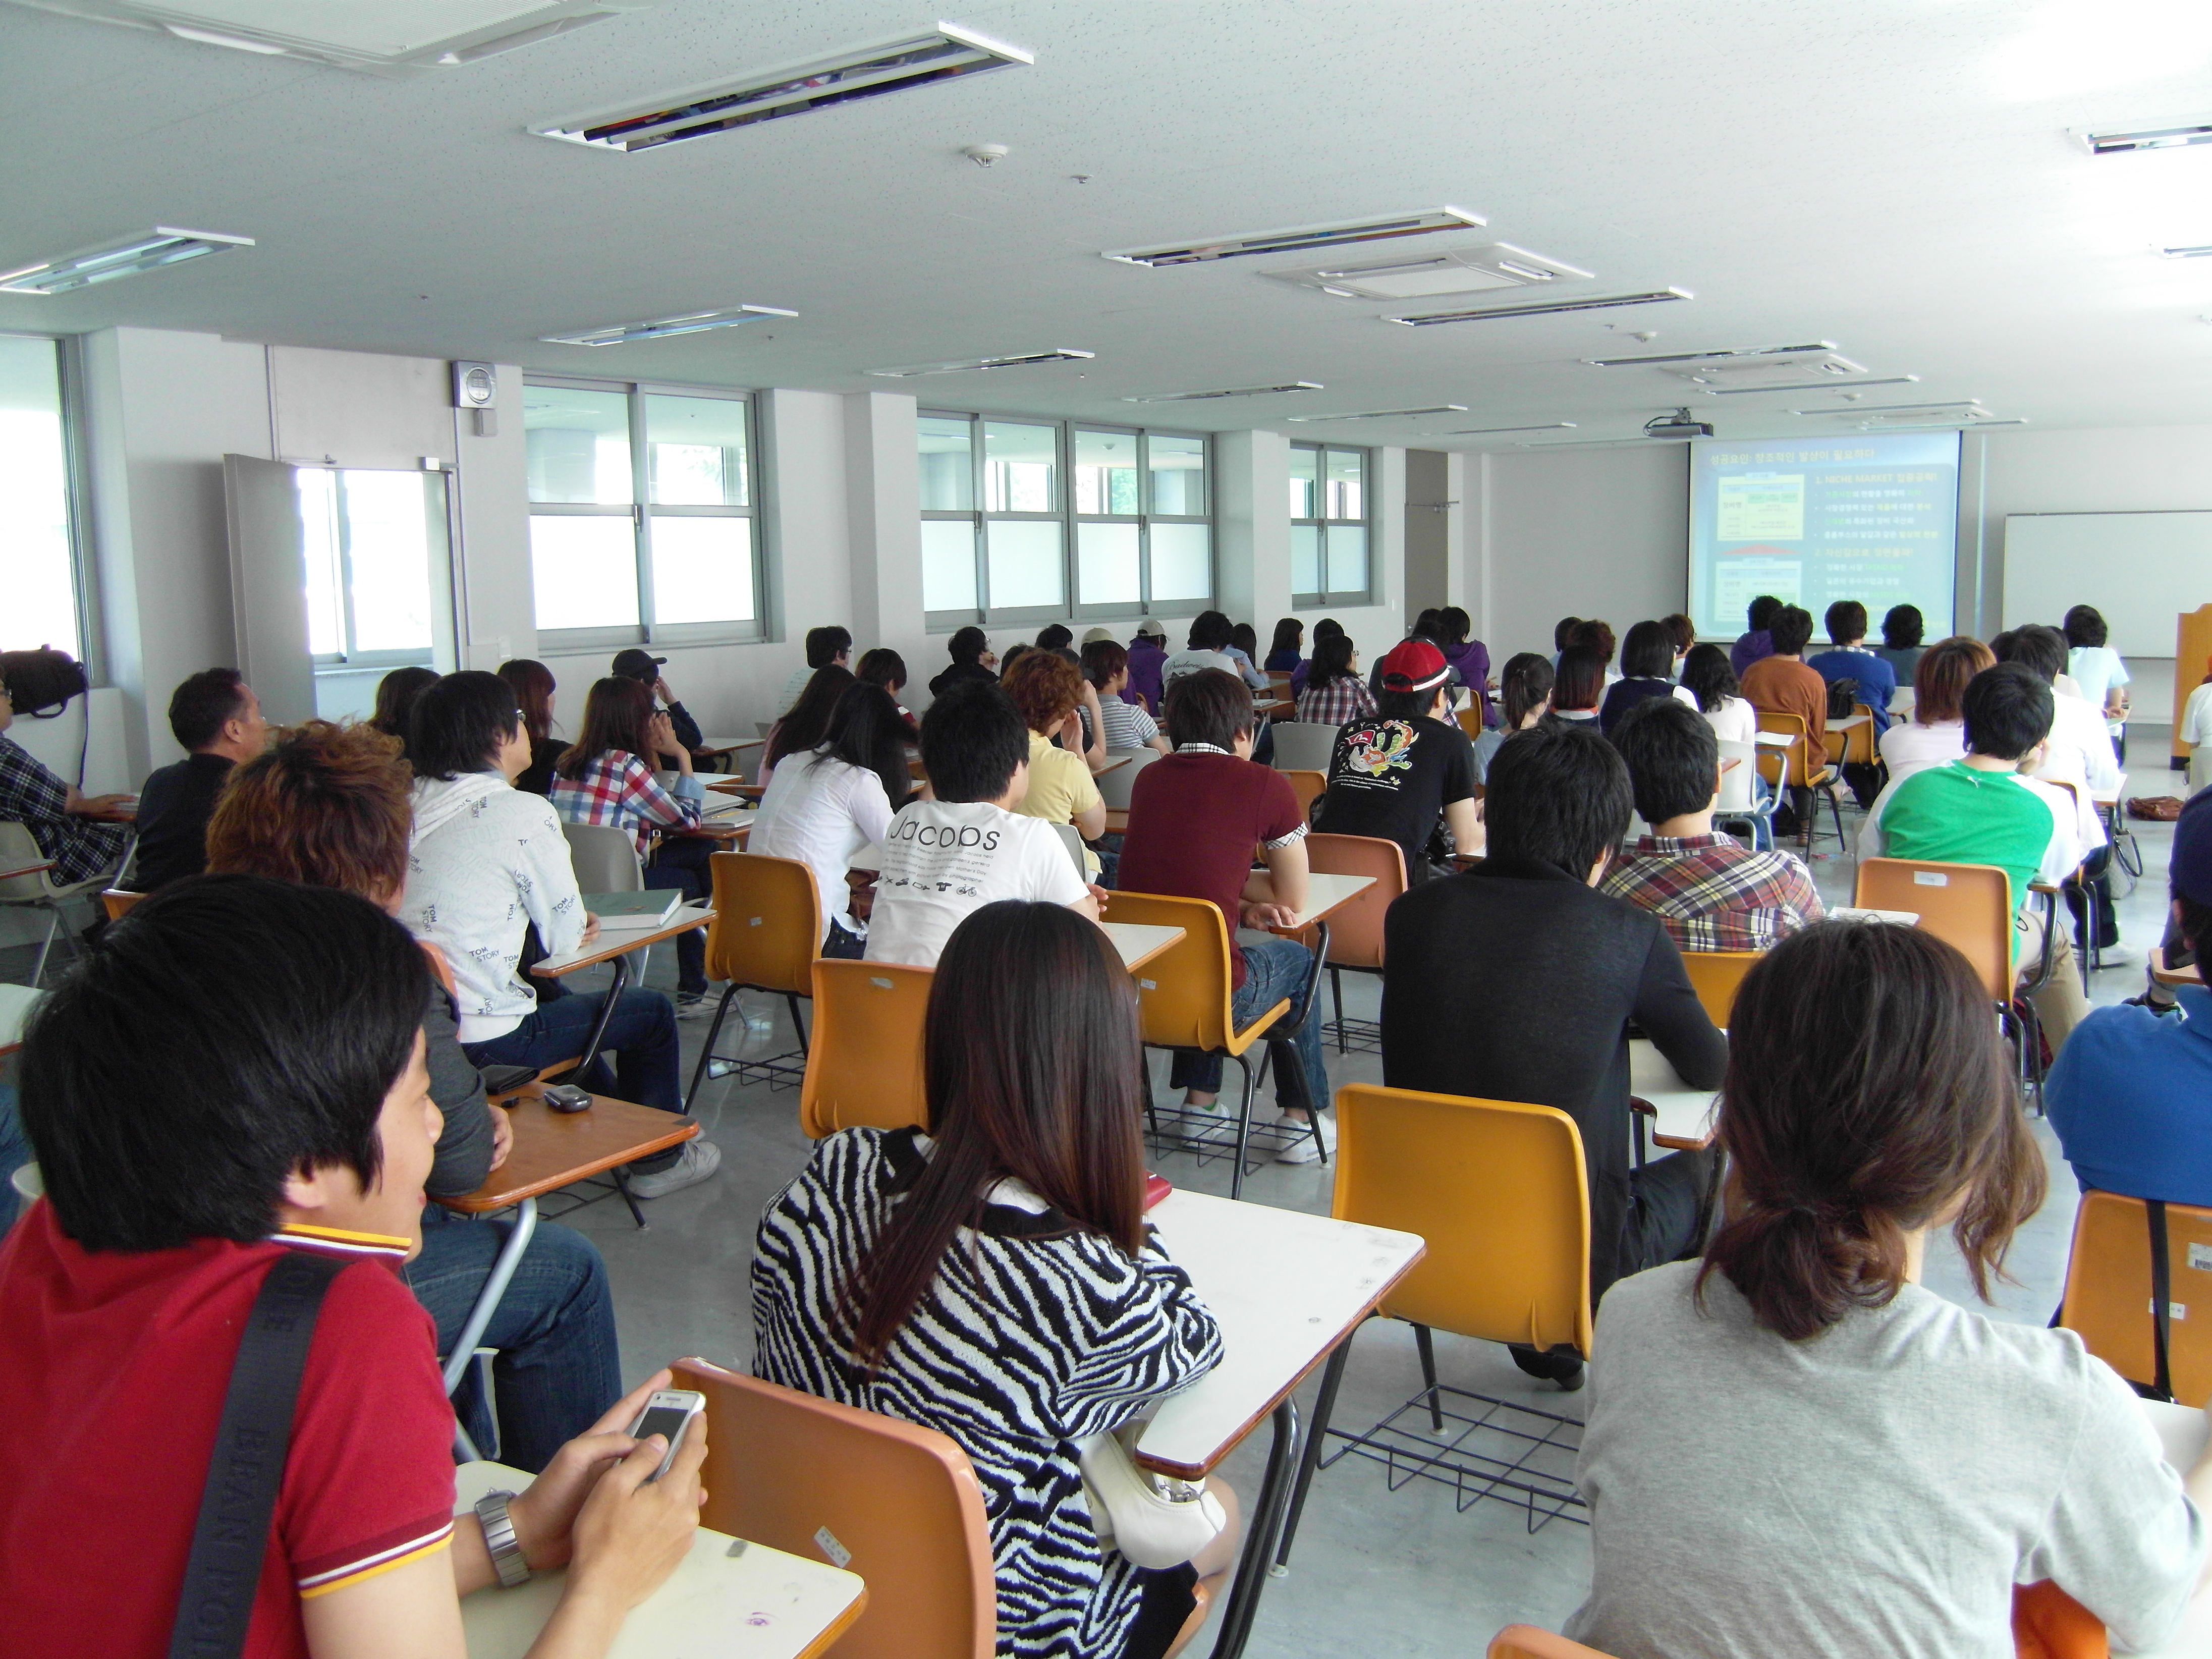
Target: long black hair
[[807, 722], [866, 731], [1331, 660]]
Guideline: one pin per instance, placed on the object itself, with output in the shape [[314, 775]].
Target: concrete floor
[[1376, 1571]]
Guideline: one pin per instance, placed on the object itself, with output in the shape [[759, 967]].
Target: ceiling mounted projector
[[1677, 425]]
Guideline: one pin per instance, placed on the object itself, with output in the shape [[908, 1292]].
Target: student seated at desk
[[1524, 697], [1327, 628], [826, 647], [2079, 754], [994, 1279], [1048, 689], [1849, 659], [233, 1079], [83, 834], [1707, 678], [1469, 660], [1518, 980], [1194, 820], [973, 661], [486, 862], [607, 777], [1936, 735], [823, 804], [2130, 1094], [1287, 649], [1756, 640], [329, 806], [1405, 774], [886, 667], [396, 693], [2100, 678], [1798, 1449], [1903, 628], [1709, 890], [216, 719], [1334, 690], [1106, 665], [806, 722], [963, 846], [1208, 646], [533, 685], [1647, 666], [1577, 687], [1983, 810]]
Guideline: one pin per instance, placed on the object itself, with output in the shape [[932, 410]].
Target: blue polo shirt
[[1877, 678], [2131, 1099]]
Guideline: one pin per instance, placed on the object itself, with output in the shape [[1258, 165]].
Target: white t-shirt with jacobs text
[[943, 859]]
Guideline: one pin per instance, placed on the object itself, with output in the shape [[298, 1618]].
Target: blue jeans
[[558, 1368], [681, 867], [642, 1033], [15, 1153], [1274, 971]]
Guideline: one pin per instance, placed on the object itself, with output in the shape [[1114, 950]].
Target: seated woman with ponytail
[[994, 1278], [1795, 1448]]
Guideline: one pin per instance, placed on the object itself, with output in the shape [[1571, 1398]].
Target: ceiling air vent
[[1011, 360], [1300, 238], [945, 53], [391, 40], [1545, 308], [1462, 271]]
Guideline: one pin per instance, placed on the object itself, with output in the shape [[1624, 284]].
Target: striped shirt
[[1713, 893], [619, 788]]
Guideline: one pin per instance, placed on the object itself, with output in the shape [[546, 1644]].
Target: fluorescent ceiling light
[[1546, 307], [1458, 270], [164, 245], [945, 53], [1013, 359], [1385, 414], [1231, 391], [1806, 386], [2202, 249], [1299, 238], [1933, 426], [1966, 403], [2171, 135], [1485, 431], [697, 322], [1816, 347], [1597, 443]]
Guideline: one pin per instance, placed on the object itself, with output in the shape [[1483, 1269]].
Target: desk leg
[[1309, 1456], [486, 1303], [615, 987], [1264, 1523]]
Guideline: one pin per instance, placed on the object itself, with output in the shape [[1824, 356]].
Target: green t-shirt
[[1954, 814]]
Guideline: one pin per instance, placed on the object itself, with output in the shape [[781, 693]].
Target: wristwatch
[[507, 1557]]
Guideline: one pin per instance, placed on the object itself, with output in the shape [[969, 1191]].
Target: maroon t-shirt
[[1194, 820]]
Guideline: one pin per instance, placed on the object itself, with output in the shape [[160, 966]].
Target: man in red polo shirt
[[236, 1073], [1194, 820]]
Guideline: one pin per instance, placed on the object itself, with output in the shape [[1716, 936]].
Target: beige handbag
[[1155, 1520]]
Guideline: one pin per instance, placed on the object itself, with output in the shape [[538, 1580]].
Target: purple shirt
[[1471, 659], [1144, 687], [1748, 649]]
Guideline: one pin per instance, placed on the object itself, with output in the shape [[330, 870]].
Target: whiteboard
[[2140, 569]]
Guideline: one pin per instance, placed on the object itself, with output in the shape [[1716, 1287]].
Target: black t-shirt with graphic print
[[1392, 779]]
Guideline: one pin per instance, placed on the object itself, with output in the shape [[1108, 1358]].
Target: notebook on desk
[[651, 908]]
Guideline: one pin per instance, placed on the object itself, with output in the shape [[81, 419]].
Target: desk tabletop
[[1325, 895], [1856, 913], [15, 870], [16, 1002], [1774, 739], [1848, 722], [733, 787], [724, 745], [1113, 762], [759, 1604], [1686, 1115], [1287, 1287], [553, 1149], [620, 942], [1139, 942]]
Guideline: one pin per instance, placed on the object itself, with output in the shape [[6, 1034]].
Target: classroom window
[[370, 538], [48, 593], [1330, 525], [643, 522], [1028, 520]]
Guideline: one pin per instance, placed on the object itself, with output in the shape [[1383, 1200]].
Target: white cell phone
[[668, 1414]]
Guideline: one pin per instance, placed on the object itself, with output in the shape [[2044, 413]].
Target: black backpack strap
[[248, 1465], [2161, 1298]]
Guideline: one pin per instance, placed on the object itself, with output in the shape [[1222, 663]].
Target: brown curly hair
[[1046, 687], [325, 807]]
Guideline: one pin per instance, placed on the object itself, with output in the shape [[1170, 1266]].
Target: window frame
[[1064, 514], [70, 382], [641, 510], [349, 660], [1321, 525]]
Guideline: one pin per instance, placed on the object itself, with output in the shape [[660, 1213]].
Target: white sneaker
[[1303, 1150], [2120, 956], [700, 1160]]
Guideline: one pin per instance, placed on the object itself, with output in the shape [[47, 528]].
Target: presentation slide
[[1874, 517]]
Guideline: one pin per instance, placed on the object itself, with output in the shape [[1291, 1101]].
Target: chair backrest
[[1793, 766], [1736, 793], [767, 929], [1072, 838], [2049, 1624], [18, 846], [798, 1474], [1303, 745], [1355, 930], [1968, 906], [1470, 720], [1182, 993], [1307, 787], [1855, 746], [1528, 1641], [1114, 786], [2107, 1301], [1715, 976], [604, 857], [863, 1064], [1496, 1188], [118, 901]]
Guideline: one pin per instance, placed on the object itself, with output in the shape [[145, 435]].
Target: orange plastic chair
[[1967, 906], [1528, 1641], [1717, 975], [864, 1067], [118, 901], [1184, 994], [1470, 720], [2049, 1624], [1797, 768], [2109, 1299], [1355, 930], [900, 1503], [1307, 786], [1855, 744], [765, 936]]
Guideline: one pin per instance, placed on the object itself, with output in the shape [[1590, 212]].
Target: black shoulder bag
[[248, 1465]]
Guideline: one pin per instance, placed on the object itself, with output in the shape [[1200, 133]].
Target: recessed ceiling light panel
[[1299, 238], [1011, 360], [1805, 385], [945, 53], [1545, 308], [1817, 348], [1231, 391], [2164, 135], [2201, 250], [1459, 271], [1384, 414], [697, 322], [163, 245], [1491, 431]]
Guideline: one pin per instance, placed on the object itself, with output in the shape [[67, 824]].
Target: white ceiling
[[1892, 175]]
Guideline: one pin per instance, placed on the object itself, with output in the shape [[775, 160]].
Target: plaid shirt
[[1712, 893], [1345, 698], [619, 788], [34, 797]]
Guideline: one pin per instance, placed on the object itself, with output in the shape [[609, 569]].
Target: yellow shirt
[[1060, 786]]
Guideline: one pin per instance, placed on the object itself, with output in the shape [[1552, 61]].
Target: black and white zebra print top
[[1035, 1335]]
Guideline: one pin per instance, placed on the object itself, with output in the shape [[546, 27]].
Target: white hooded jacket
[[485, 861]]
